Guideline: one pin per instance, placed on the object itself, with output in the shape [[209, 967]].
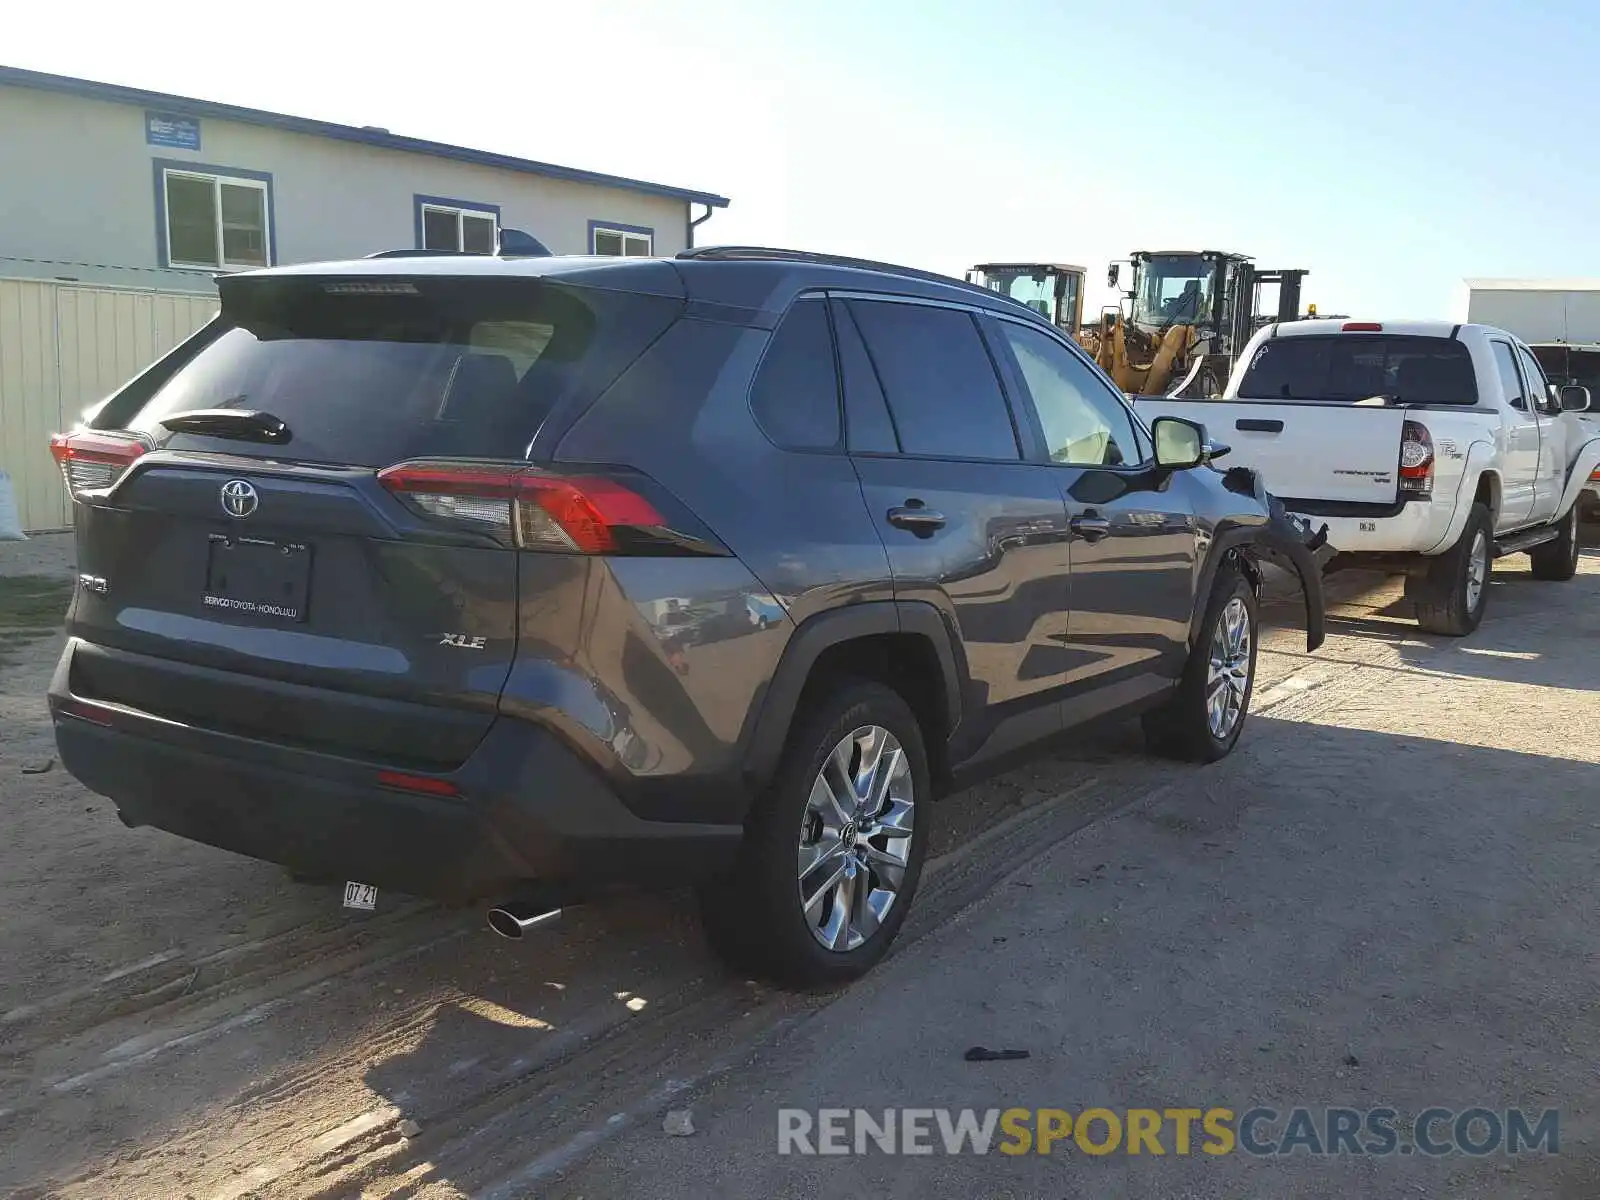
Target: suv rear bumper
[[527, 810]]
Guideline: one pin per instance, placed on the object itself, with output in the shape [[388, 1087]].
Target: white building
[[118, 206]]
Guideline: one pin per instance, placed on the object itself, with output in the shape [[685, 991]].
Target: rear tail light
[[73, 707], [539, 510], [424, 785], [92, 460], [1416, 459]]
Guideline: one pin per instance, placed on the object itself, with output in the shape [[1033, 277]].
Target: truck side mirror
[[1574, 398], [1113, 273]]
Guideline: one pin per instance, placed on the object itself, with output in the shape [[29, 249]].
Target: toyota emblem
[[239, 498]]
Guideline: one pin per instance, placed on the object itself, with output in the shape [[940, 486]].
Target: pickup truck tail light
[[1416, 459]]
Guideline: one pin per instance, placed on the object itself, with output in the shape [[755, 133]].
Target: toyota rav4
[[488, 577]]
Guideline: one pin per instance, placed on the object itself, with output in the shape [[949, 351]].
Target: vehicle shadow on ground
[[1519, 621], [512, 1043], [1422, 901]]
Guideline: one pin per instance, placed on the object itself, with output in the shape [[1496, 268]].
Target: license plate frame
[[260, 579]]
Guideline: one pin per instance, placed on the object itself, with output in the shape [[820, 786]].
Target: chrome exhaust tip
[[515, 918]]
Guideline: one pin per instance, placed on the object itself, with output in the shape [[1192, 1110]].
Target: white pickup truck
[[1427, 448]]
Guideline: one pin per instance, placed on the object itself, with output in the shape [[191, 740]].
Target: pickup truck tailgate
[[1304, 451]]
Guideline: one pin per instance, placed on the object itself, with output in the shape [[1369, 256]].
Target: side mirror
[[1574, 398], [1180, 444], [1113, 273]]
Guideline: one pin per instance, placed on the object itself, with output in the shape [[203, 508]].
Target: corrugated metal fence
[[64, 347]]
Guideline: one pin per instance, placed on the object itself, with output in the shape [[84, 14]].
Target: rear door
[[274, 584], [1519, 455], [969, 526], [1132, 529]]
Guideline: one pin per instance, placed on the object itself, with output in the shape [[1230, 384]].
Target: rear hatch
[[249, 568], [1323, 416]]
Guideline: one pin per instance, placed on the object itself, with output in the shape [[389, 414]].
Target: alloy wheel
[[1477, 569], [1228, 675], [855, 838]]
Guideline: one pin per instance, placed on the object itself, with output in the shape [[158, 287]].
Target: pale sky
[[1390, 148]]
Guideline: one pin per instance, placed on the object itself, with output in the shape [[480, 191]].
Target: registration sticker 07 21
[[360, 895]]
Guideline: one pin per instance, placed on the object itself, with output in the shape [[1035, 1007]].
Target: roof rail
[[508, 243], [413, 254], [774, 254]]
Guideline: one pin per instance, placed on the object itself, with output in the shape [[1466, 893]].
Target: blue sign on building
[[167, 129]]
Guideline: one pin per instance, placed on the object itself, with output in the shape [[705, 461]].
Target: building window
[[456, 226], [621, 241], [216, 220]]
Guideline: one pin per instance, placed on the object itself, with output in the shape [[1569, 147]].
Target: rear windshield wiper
[[242, 425]]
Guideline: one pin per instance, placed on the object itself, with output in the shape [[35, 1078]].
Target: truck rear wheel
[[1558, 560], [1451, 598]]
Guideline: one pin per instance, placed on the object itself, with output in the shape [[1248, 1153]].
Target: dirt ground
[[176, 1021]]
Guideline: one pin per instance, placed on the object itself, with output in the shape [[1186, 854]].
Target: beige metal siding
[[64, 347]]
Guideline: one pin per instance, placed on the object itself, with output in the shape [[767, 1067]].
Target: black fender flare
[[775, 712], [1279, 541]]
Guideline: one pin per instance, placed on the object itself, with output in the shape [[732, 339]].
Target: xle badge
[[462, 642]]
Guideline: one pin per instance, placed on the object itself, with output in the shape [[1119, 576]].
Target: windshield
[[1351, 367], [1174, 289]]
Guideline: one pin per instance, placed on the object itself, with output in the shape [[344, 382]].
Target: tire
[[755, 918], [1446, 600], [1188, 727], [1558, 560]]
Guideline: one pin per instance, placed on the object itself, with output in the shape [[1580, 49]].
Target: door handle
[[1258, 425], [923, 522], [1090, 529]]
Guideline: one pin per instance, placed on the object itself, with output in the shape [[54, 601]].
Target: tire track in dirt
[[487, 1106]]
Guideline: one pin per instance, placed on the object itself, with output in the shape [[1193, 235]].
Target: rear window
[[1353, 367], [430, 367]]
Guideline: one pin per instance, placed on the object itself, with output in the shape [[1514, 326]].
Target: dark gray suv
[[487, 578]]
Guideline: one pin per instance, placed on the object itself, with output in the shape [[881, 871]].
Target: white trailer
[[1539, 311]]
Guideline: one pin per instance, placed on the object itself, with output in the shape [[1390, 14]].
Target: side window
[[795, 396], [1506, 365], [869, 427], [1538, 385], [1084, 424], [939, 381]]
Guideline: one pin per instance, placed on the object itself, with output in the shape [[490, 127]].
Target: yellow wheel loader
[[1178, 326], [1184, 317], [1053, 290]]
